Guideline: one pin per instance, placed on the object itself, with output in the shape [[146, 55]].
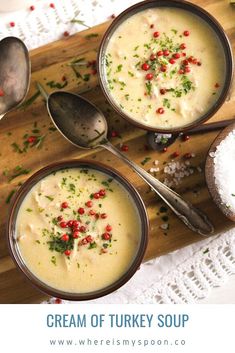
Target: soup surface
[[78, 230], [164, 67]]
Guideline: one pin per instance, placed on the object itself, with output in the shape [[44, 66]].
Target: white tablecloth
[[198, 273]]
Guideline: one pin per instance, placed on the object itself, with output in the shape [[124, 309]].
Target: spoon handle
[[42, 91], [210, 126], [191, 216]]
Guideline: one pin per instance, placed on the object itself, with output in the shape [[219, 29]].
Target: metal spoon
[[14, 73], [158, 141], [85, 126]]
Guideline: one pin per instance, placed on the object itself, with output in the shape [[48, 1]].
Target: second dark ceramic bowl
[[184, 5], [24, 190]]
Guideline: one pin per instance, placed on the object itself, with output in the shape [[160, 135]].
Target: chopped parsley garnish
[[30, 101], [80, 22], [166, 103], [146, 160], [17, 148], [187, 84], [91, 35], [19, 171], [53, 260], [119, 68], [10, 195], [72, 188], [58, 245], [107, 182], [149, 86], [58, 85], [123, 84], [86, 77], [52, 128], [54, 221], [92, 245], [49, 197], [29, 141]]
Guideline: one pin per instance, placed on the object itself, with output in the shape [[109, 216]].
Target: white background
[[209, 329]]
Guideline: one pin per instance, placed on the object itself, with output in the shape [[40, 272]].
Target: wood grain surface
[[50, 63]]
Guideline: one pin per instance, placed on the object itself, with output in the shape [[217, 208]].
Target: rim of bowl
[[210, 169], [196, 10], [25, 189]]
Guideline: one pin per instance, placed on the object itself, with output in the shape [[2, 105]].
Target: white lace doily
[[184, 276], [46, 24]]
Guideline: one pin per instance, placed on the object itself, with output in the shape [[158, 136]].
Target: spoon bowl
[[79, 121], [85, 126], [14, 73], [210, 172]]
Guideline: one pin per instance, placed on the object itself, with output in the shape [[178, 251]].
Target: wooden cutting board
[[50, 67]]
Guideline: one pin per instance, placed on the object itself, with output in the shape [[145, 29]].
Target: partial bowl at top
[[78, 230], [165, 66]]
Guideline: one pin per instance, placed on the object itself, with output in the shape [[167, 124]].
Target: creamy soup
[[78, 230], [164, 67]]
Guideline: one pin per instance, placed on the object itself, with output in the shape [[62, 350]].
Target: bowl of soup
[[78, 230], [165, 66]]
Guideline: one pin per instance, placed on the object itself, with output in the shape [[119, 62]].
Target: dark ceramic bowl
[[11, 227], [184, 5]]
